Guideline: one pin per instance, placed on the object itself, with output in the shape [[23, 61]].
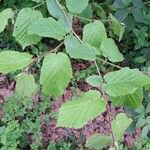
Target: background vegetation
[[28, 117]]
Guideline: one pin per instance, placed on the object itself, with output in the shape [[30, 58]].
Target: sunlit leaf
[[56, 73], [4, 16], [23, 22], [77, 112], [25, 85], [13, 60]]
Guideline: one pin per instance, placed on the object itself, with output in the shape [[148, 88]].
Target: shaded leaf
[[117, 27], [138, 15], [145, 132], [148, 120], [38, 1], [87, 13], [76, 113], [121, 3], [121, 14], [137, 3], [140, 123], [133, 100], [129, 22], [2, 130]]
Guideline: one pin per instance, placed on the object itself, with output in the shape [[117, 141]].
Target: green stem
[[109, 63], [146, 3], [77, 37], [38, 5], [91, 20]]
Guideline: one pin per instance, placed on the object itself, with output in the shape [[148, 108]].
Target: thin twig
[[104, 95], [77, 36], [67, 18], [91, 20], [38, 5], [97, 68], [40, 57], [109, 63], [53, 50], [64, 12], [146, 3]]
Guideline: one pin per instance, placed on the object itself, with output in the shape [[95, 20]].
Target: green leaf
[[110, 50], [138, 15], [126, 2], [55, 10], [79, 50], [76, 6], [2, 130], [145, 132], [117, 27], [130, 100], [4, 16], [37, 1], [140, 123], [121, 14], [100, 11], [121, 3], [66, 21], [25, 85], [56, 73], [148, 108], [130, 23], [24, 20], [93, 33], [148, 120], [125, 81], [137, 3], [48, 27], [94, 80], [76, 113], [119, 125], [140, 60], [98, 141], [87, 13], [13, 60]]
